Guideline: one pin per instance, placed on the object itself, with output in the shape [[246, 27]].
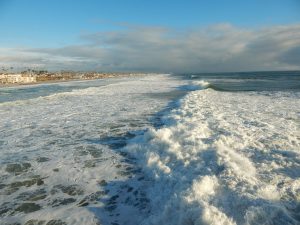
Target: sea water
[[159, 149]]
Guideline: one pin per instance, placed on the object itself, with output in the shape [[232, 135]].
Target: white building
[[16, 78]]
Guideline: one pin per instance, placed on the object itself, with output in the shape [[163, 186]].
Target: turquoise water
[[250, 81], [24, 92]]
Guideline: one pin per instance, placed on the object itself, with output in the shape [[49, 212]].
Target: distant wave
[[196, 85], [201, 85]]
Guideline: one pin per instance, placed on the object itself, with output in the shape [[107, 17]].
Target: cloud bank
[[217, 48]]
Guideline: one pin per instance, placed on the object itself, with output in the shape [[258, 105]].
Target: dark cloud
[[291, 56], [221, 47]]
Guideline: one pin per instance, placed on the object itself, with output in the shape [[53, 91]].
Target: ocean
[[184, 149]]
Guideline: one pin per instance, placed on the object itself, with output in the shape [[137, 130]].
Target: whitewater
[[152, 150]]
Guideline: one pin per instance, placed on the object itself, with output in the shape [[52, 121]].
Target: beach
[[10, 80]]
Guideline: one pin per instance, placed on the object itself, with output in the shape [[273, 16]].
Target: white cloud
[[221, 47]]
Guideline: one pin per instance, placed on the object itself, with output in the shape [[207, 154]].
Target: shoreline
[[69, 80]]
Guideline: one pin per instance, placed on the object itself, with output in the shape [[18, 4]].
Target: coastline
[[105, 76]]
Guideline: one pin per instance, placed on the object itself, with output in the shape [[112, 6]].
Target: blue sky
[[59, 22], [55, 24]]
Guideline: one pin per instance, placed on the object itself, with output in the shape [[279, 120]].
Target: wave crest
[[196, 85], [214, 162]]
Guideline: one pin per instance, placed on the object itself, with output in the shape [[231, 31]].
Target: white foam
[[68, 128], [221, 158], [197, 85], [204, 188], [202, 84], [224, 158]]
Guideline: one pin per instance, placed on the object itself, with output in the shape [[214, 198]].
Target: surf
[[216, 160]]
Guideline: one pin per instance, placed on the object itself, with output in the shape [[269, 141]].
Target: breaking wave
[[58, 161], [202, 84], [224, 158], [196, 85], [219, 157]]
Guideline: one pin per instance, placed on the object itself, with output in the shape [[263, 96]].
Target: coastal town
[[39, 76]]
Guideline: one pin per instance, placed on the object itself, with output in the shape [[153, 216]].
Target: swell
[[202, 85]]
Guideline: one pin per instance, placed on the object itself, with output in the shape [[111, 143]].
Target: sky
[[150, 36]]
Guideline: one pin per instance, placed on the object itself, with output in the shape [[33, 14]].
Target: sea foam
[[219, 157], [224, 158], [60, 158]]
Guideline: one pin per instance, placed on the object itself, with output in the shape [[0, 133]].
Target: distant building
[[33, 76], [17, 78]]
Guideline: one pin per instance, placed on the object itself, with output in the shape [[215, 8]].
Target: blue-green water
[[250, 81], [15, 93]]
